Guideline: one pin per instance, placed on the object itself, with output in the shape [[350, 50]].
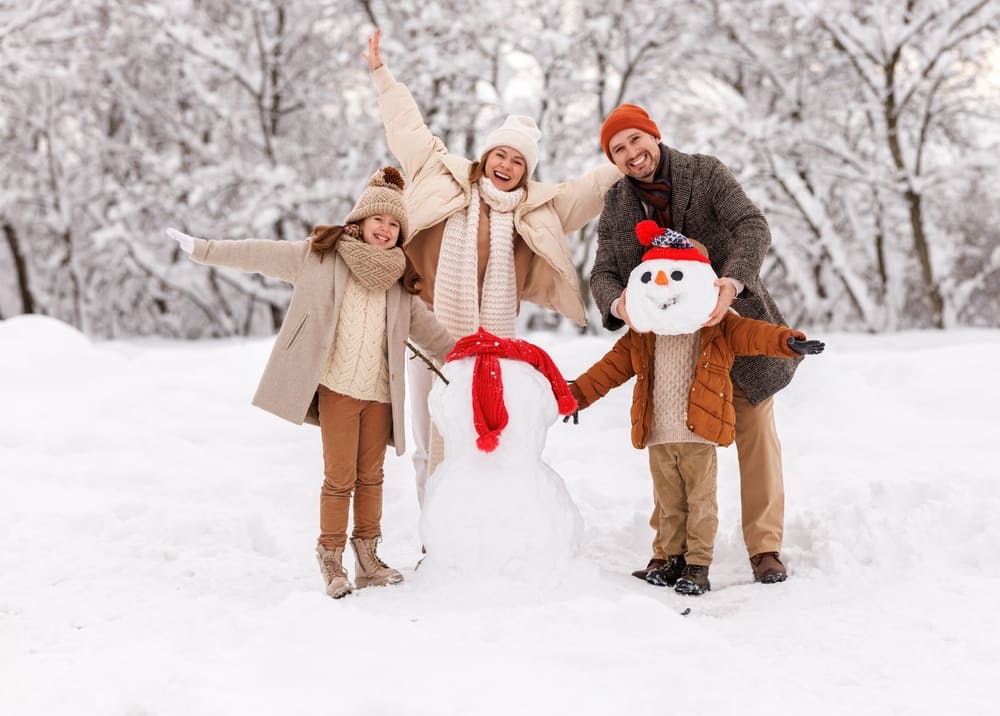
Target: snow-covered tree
[[866, 122], [866, 132]]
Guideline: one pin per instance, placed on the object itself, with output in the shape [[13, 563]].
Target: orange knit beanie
[[626, 116]]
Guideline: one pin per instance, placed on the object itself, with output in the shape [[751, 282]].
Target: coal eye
[[646, 277], [676, 275]]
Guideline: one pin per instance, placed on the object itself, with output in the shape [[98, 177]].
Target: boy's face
[[636, 153], [380, 230], [505, 167]]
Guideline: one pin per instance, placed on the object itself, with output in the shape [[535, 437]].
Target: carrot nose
[[661, 279]]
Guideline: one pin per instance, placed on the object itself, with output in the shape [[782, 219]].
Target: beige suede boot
[[334, 574], [370, 570]]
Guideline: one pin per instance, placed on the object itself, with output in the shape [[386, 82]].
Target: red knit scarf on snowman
[[489, 414]]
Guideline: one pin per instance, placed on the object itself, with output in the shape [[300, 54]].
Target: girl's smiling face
[[380, 230]]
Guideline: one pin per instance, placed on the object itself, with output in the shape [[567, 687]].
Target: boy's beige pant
[[762, 489], [355, 434], [684, 487]]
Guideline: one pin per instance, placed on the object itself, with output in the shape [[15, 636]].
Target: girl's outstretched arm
[[277, 259]]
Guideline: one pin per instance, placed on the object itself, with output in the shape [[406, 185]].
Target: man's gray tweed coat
[[708, 205]]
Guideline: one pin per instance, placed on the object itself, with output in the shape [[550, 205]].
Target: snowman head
[[673, 290]]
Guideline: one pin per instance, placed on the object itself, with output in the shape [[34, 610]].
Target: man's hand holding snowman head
[[619, 309], [674, 290], [727, 294]]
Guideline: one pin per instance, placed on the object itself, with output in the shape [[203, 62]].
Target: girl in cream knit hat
[[338, 358]]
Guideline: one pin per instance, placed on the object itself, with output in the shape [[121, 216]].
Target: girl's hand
[[372, 56], [183, 240]]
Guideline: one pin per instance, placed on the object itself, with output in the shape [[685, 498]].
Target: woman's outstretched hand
[[183, 240], [373, 56]]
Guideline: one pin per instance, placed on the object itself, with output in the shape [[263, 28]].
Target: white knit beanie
[[521, 133]]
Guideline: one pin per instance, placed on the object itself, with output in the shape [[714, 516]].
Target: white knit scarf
[[456, 295]]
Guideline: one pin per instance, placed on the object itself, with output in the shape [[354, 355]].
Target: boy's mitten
[[805, 347]]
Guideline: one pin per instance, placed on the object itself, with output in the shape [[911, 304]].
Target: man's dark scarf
[[655, 195]]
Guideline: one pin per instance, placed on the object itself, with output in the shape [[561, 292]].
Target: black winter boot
[[693, 581], [667, 574]]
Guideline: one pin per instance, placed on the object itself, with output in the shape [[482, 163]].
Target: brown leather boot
[[654, 563], [767, 568], [370, 571], [334, 574]]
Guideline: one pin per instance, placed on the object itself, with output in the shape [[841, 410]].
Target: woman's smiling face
[[505, 167]]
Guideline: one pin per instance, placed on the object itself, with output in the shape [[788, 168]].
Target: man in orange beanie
[[697, 195]]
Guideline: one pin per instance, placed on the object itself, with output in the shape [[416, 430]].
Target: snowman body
[[669, 296], [505, 511]]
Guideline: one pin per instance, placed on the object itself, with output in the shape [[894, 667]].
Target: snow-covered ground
[[157, 534]]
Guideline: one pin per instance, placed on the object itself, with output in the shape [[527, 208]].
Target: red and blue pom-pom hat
[[666, 243], [489, 414]]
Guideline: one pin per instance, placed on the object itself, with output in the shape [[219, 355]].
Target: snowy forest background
[[866, 131]]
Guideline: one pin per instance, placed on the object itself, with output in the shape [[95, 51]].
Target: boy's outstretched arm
[[609, 372]]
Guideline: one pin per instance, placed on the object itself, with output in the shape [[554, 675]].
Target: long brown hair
[[477, 169], [413, 282], [325, 239]]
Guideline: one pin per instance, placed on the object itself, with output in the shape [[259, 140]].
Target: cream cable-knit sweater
[[359, 363], [674, 359]]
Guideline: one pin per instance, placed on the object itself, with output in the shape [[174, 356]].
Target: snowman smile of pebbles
[[673, 290], [493, 507]]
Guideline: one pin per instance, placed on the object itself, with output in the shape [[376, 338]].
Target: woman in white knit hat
[[338, 358], [483, 235]]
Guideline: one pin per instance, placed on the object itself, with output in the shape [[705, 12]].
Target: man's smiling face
[[636, 153]]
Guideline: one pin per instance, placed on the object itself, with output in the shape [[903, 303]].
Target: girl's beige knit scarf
[[456, 294], [374, 268]]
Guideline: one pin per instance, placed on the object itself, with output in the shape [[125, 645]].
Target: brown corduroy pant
[[684, 478], [355, 434], [762, 487]]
